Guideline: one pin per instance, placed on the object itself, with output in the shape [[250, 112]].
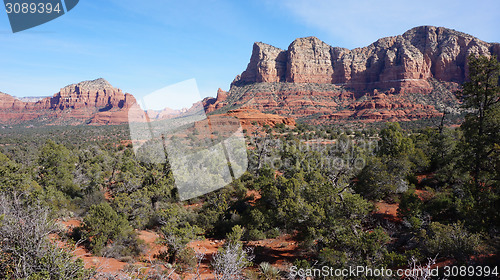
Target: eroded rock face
[[267, 64], [248, 116], [309, 60], [91, 94], [404, 77], [85, 102], [403, 62]]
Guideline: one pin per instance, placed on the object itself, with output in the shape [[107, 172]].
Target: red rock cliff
[[403, 62], [404, 77]]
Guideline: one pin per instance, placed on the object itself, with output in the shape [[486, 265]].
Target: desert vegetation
[[323, 186]]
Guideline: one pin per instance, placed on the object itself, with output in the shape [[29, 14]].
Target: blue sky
[[142, 46]]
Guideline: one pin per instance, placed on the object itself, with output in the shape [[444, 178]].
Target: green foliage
[[410, 205], [394, 143], [441, 207], [177, 229], [255, 234], [134, 207], [235, 235], [269, 272], [102, 225], [56, 168], [481, 128], [383, 177], [13, 178], [322, 205], [158, 183], [481, 139], [361, 248], [445, 155], [452, 241]]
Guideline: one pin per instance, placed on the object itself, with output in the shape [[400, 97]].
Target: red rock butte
[[92, 102], [404, 77]]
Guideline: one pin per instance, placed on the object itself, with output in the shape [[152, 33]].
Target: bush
[[269, 272], [273, 233], [177, 231], [102, 225], [230, 262], [186, 258], [381, 178], [410, 205], [440, 206], [255, 234], [235, 235], [452, 241], [26, 251]]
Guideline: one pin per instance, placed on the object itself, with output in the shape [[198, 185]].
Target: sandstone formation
[[248, 117], [403, 61], [94, 102], [227, 124], [404, 77], [97, 102]]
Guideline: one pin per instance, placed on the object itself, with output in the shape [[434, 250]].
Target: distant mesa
[[392, 62], [94, 102]]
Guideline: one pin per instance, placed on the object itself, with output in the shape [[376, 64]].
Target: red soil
[[103, 264], [279, 251], [387, 211], [423, 194], [255, 195]]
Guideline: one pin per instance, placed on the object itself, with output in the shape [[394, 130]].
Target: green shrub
[[269, 272], [235, 235], [102, 225], [186, 258], [255, 234], [273, 233], [452, 241], [410, 205], [26, 251]]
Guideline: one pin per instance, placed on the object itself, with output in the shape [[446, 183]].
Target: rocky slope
[[405, 77], [249, 117]]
